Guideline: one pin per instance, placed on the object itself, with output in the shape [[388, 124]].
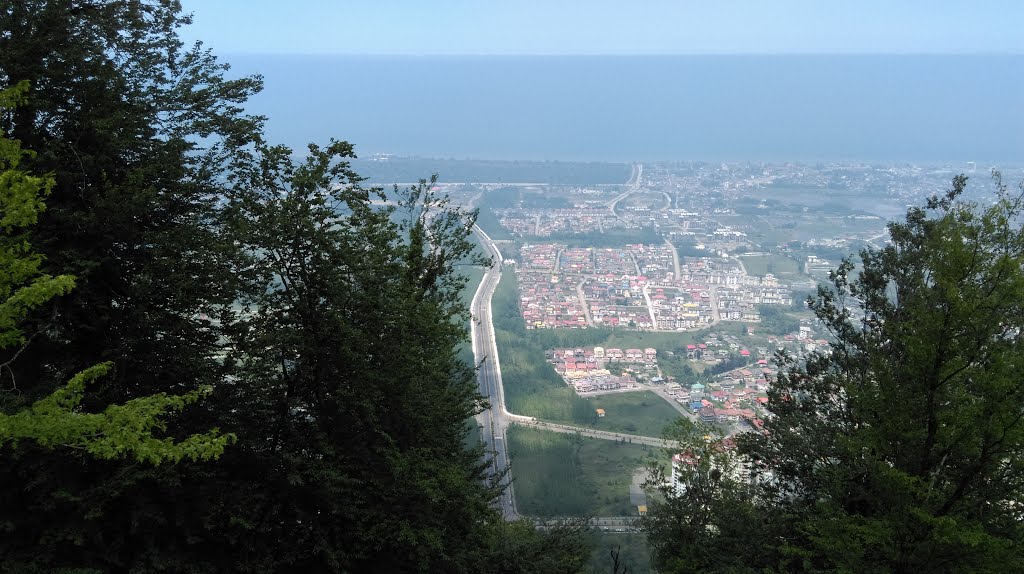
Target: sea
[[888, 108]]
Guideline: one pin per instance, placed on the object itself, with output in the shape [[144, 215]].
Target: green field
[[490, 224], [558, 474], [778, 265], [643, 413]]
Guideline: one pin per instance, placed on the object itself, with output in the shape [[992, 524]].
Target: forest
[[220, 354]]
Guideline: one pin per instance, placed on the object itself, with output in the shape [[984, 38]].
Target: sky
[[526, 27]]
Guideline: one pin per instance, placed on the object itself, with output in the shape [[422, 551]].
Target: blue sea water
[[927, 108]]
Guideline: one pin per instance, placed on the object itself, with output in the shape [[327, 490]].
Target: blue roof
[[696, 405]]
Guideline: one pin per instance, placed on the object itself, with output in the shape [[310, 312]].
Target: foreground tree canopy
[[241, 305], [900, 449], [120, 430]]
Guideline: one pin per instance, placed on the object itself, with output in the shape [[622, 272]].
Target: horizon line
[[613, 54]]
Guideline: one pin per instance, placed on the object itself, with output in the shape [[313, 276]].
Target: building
[[600, 413], [707, 414], [682, 463]]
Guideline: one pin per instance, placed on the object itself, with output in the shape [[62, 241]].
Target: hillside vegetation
[[219, 355]]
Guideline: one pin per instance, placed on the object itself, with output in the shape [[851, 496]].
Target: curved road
[[633, 185]]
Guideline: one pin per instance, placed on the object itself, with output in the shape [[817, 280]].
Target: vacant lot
[[559, 474], [643, 413], [761, 265]]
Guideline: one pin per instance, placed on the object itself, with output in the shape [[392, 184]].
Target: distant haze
[[926, 108]]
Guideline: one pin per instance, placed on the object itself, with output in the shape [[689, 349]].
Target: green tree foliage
[[316, 320], [55, 420], [776, 321], [561, 547], [137, 136], [705, 520], [22, 197], [347, 361], [901, 449], [135, 132], [118, 431]]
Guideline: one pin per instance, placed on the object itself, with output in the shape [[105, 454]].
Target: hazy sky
[[607, 26]]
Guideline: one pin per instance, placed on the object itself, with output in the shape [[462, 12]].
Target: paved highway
[[492, 421], [633, 186]]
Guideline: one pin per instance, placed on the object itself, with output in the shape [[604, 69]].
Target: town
[[687, 248], [681, 288]]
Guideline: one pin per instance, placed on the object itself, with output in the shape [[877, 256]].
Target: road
[[608, 524], [593, 433], [676, 268], [884, 236], [671, 399], [633, 186], [583, 302], [494, 421], [650, 306], [716, 317]]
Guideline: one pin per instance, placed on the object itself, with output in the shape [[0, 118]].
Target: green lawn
[[643, 413], [559, 474], [777, 265]]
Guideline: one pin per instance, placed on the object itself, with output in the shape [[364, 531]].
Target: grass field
[[559, 474], [778, 265], [643, 413], [490, 224]]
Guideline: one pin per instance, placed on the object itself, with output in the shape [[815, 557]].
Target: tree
[[776, 321], [139, 137], [901, 448], [561, 547], [355, 398], [318, 325], [706, 518], [56, 421], [23, 287]]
